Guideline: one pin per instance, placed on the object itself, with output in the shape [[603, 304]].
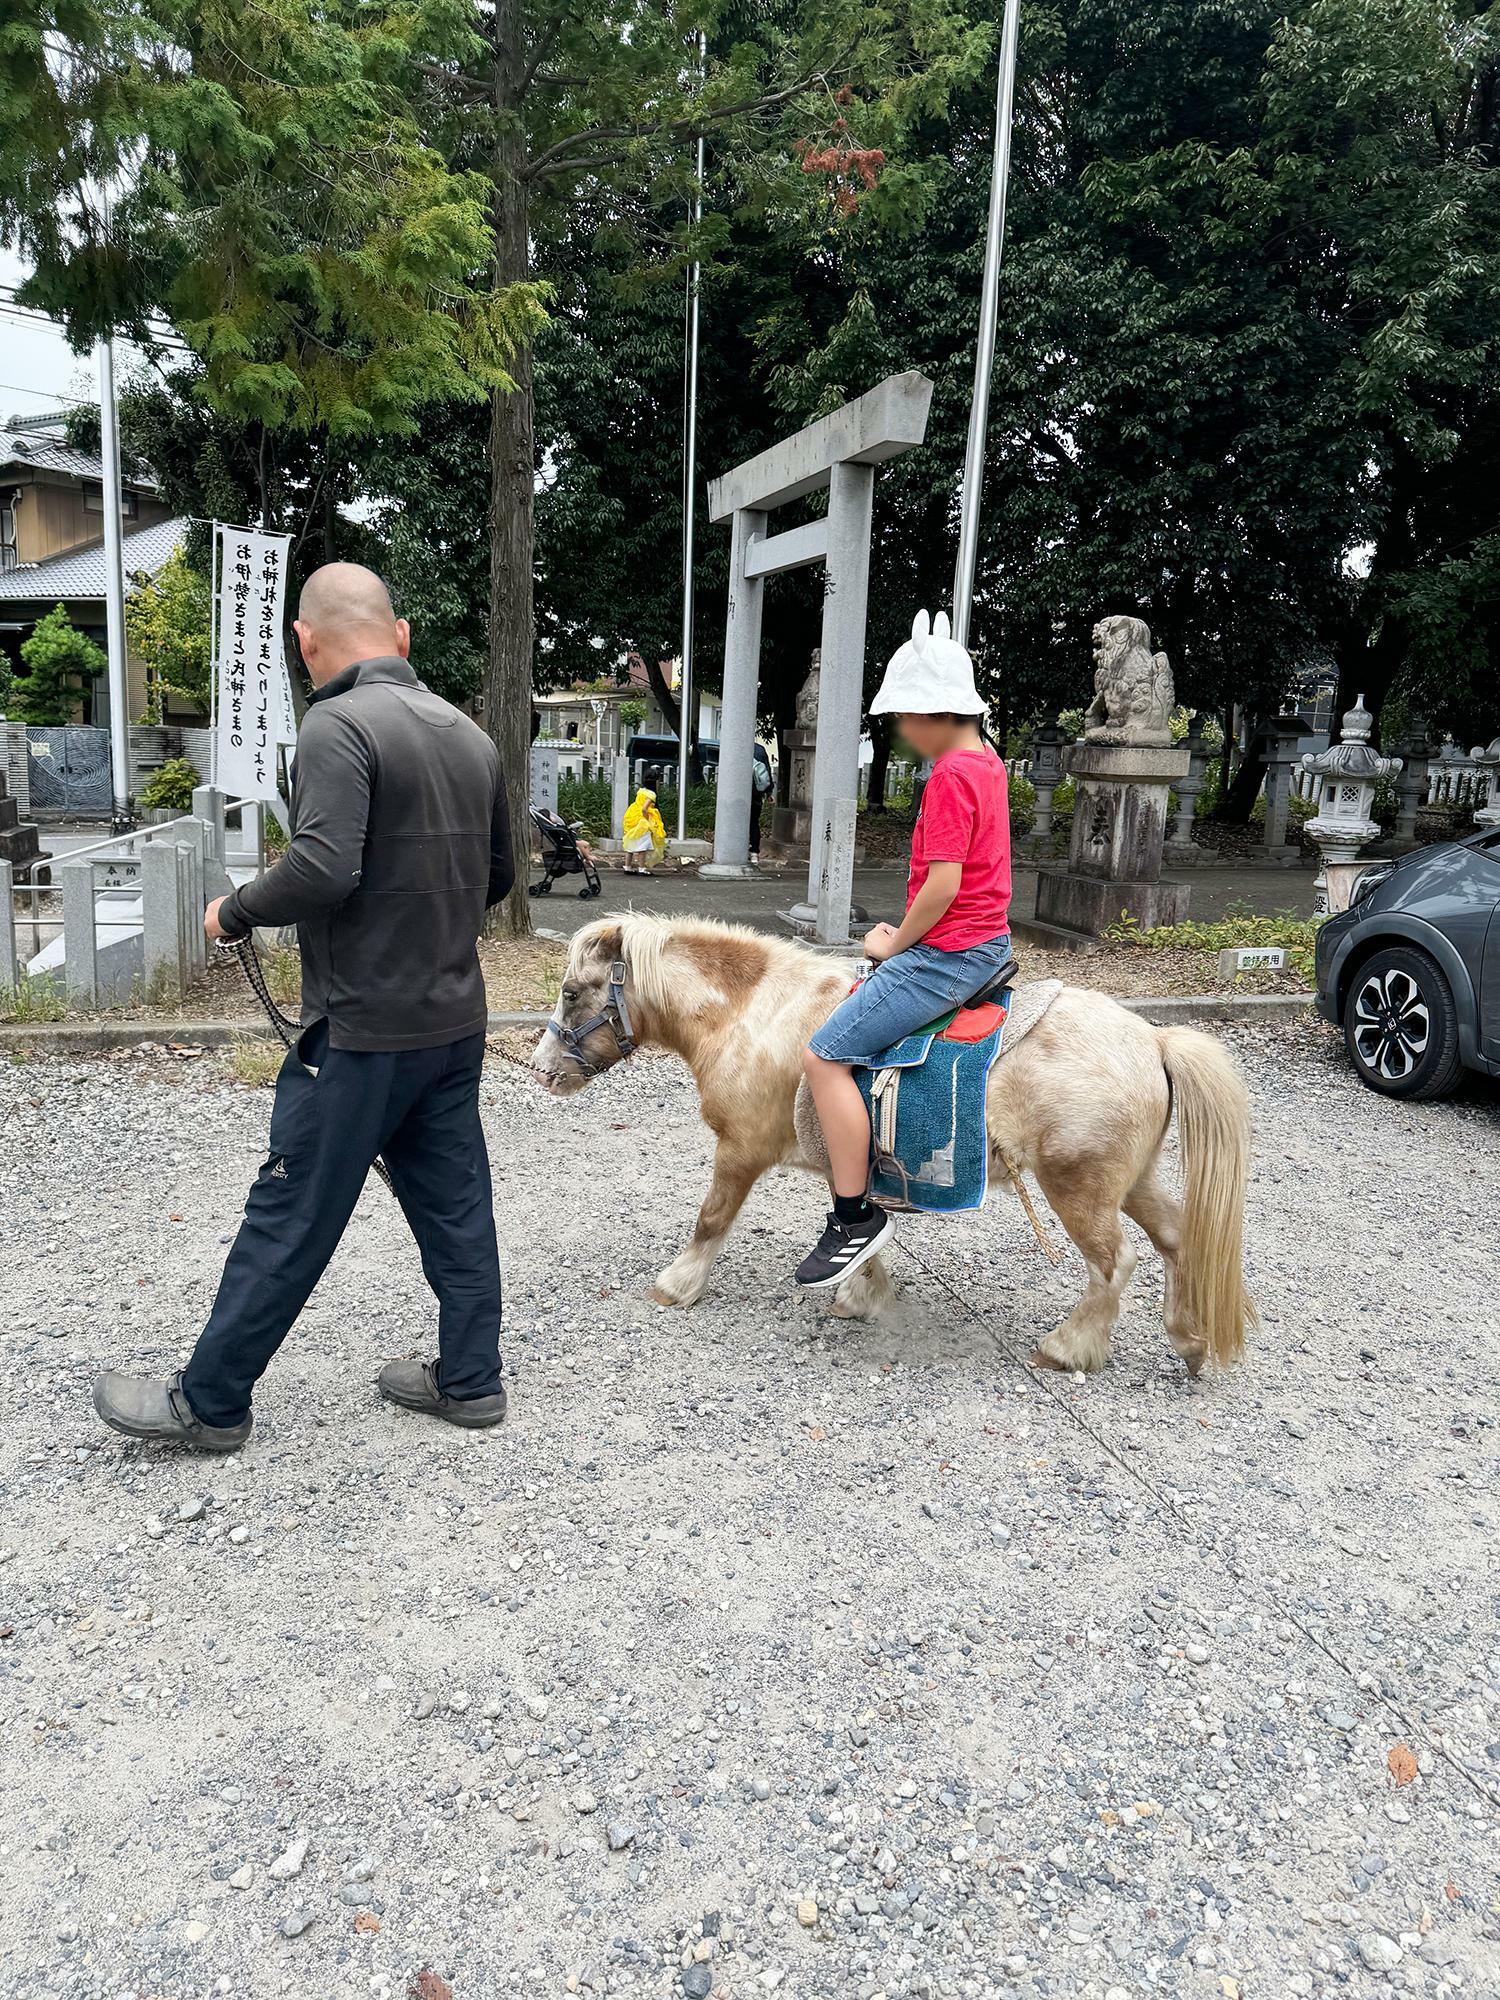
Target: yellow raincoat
[[644, 832]]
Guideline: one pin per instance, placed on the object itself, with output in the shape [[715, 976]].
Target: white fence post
[[162, 873], [10, 977], [208, 806], [80, 942]]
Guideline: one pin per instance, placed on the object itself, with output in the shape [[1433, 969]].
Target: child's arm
[[932, 900]]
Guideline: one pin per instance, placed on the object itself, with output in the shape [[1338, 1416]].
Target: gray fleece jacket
[[400, 842]]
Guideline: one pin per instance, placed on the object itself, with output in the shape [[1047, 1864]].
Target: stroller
[[562, 853]]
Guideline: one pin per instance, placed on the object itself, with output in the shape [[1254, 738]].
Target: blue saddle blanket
[[926, 1098]]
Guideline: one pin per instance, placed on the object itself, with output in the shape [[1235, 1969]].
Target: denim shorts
[[903, 994]]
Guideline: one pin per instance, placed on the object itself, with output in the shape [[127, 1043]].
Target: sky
[[38, 369]]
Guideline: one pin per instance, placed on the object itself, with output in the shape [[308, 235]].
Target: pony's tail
[[1213, 1126]]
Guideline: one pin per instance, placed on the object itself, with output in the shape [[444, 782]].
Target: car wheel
[[1401, 1027]]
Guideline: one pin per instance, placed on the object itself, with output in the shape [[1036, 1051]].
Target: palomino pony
[[1083, 1101]]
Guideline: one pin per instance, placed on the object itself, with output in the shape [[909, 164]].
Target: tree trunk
[[666, 701], [508, 688], [880, 761]]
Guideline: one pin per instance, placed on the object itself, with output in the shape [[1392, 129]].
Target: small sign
[[116, 874], [1251, 958]]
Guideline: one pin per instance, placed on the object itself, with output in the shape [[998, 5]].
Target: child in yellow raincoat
[[644, 833]]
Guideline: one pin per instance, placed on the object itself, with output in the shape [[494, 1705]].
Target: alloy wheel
[[1392, 1026]]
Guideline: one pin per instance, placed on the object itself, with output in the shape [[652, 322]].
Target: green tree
[[333, 270], [584, 118], [167, 625], [61, 662]]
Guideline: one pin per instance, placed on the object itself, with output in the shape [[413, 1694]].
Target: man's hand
[[211, 923], [880, 942]]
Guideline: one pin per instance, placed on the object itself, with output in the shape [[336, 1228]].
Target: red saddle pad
[[972, 1024]]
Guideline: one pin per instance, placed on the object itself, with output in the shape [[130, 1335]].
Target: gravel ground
[[759, 1653]]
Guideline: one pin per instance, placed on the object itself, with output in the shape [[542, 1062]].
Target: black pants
[[419, 1110]]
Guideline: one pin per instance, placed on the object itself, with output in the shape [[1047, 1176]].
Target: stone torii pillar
[[840, 452]]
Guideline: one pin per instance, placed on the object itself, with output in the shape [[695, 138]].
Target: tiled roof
[[25, 441], [42, 455], [80, 573]]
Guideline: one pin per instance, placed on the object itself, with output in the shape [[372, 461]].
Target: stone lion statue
[[1133, 692], [807, 699]]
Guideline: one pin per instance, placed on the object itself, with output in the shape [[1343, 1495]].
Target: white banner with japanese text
[[254, 721]]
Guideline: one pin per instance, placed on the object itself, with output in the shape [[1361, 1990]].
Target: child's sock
[[853, 1207]]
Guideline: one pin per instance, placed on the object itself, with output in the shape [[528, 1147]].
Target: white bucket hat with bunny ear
[[930, 674]]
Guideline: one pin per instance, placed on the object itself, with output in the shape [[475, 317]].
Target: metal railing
[[130, 906]]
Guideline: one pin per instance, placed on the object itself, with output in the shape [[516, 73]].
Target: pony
[[1084, 1102]]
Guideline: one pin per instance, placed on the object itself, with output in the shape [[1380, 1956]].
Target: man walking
[[400, 841]]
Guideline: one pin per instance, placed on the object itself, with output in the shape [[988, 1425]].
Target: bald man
[[400, 842]]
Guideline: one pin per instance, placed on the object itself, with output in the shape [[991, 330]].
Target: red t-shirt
[[965, 817]]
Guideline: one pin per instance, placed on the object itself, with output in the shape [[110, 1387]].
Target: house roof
[[80, 572], [40, 444]]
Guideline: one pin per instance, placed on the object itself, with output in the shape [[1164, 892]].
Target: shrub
[[588, 799], [32, 999], [60, 662], [1236, 927], [170, 788]]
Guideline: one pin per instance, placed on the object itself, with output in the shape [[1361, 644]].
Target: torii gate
[[840, 452]]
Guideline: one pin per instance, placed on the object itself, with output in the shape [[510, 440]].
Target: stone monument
[[1489, 813], [1350, 771], [20, 843], [792, 824], [1123, 767]]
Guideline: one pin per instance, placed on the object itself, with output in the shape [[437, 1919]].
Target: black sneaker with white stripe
[[843, 1247]]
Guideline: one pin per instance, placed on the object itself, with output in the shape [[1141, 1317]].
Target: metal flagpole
[[114, 591], [689, 495], [984, 360]]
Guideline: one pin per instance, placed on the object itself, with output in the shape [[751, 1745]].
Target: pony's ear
[[610, 940], [920, 630], [941, 629]]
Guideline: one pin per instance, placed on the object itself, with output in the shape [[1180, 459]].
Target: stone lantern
[[1350, 771], [1411, 788], [1489, 762], [1182, 851], [1046, 775]]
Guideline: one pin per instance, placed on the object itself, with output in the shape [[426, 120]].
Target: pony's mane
[[726, 952]]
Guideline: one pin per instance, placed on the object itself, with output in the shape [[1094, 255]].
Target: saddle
[[926, 1098]]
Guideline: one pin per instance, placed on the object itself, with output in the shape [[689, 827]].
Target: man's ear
[[403, 639], [306, 644]]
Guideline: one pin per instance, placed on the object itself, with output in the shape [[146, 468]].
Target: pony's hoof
[[660, 1298], [1040, 1358]]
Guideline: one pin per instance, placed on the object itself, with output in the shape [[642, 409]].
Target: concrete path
[[882, 890], [759, 1653]]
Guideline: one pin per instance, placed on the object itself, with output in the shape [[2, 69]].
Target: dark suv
[[1411, 970]]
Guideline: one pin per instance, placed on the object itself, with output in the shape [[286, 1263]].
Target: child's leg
[[845, 1122]]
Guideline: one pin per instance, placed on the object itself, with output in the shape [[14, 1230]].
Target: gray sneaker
[[414, 1385], [160, 1411]]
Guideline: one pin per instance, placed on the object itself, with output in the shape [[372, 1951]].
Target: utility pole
[[114, 592], [989, 298], [689, 492]]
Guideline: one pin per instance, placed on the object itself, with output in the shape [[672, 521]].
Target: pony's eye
[[570, 993]]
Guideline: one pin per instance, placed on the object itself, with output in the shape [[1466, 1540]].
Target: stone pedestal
[[1119, 825], [1282, 745], [20, 844], [792, 824]]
